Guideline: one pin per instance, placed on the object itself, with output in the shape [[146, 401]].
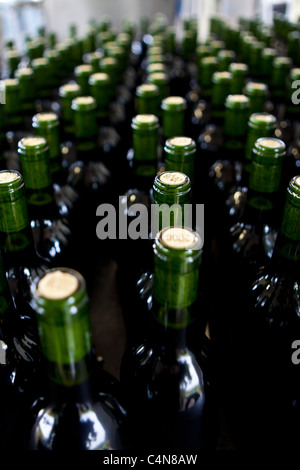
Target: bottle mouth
[[180, 145], [46, 120], [237, 101], [268, 150], [145, 121], [11, 182], [57, 285], [32, 145], [147, 89], [69, 89], [83, 103], [84, 69], [172, 178], [262, 118], [177, 238], [171, 103], [8, 176]]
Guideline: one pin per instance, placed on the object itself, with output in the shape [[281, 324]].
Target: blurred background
[[19, 18]]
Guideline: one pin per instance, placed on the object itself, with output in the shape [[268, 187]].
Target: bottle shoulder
[[81, 426]]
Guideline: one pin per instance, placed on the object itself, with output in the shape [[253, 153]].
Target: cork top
[[32, 141], [145, 118], [7, 176], [24, 71], [174, 100], [57, 285], [83, 68], [179, 238], [172, 178], [70, 87], [82, 100], [10, 82], [180, 141], [46, 116], [263, 117], [147, 87], [270, 143]]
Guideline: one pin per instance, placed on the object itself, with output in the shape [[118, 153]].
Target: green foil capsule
[[257, 94], [12, 106], [267, 159], [171, 189], [100, 86], [147, 99], [290, 225], [173, 116], [82, 73], [60, 301], [27, 91], [35, 163], [180, 155], [13, 209], [85, 120], [67, 93], [177, 257]]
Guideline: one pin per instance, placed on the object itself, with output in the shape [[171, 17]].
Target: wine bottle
[[239, 72], [78, 416], [23, 262], [226, 146], [270, 323], [147, 99], [180, 155], [48, 219], [171, 195], [67, 93], [250, 241], [257, 93], [259, 125], [168, 410], [82, 74]]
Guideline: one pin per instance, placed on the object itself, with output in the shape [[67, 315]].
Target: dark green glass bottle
[[22, 262], [174, 117], [12, 58], [78, 415], [147, 99], [180, 155], [209, 65], [41, 70], [143, 164], [67, 93], [88, 174], [221, 89], [257, 94], [225, 144], [268, 331], [171, 206], [267, 57], [252, 237], [259, 124], [47, 216], [25, 76], [280, 72], [155, 371], [12, 108], [46, 125], [239, 72], [82, 74]]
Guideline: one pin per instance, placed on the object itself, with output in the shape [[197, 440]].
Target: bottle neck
[[70, 383], [170, 330], [175, 293]]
